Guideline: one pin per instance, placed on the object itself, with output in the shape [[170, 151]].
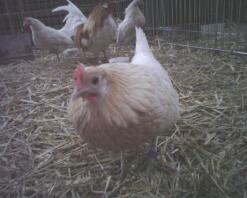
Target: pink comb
[[25, 20], [78, 74]]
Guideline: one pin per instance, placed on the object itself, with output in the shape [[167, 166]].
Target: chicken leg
[[58, 58], [54, 51], [150, 162], [123, 170], [105, 57], [83, 55]]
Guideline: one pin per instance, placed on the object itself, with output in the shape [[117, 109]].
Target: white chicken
[[72, 20], [119, 106], [48, 38], [71, 52], [45, 37], [99, 31], [133, 17]]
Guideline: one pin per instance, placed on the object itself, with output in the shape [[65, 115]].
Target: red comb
[[78, 74], [25, 20]]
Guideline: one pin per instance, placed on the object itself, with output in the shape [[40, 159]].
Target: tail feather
[[142, 45], [132, 5], [143, 54], [72, 10]]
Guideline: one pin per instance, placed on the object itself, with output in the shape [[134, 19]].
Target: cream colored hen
[[47, 38], [120, 106], [133, 17]]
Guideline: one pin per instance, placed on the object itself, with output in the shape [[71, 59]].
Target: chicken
[[120, 106], [72, 20], [71, 53], [133, 17], [47, 38], [99, 31]]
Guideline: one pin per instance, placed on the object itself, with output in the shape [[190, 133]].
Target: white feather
[[144, 56], [133, 17], [71, 52], [46, 37], [74, 18]]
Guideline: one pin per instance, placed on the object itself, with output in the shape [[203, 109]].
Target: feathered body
[[72, 20], [133, 17], [45, 37], [99, 31], [130, 104], [71, 52]]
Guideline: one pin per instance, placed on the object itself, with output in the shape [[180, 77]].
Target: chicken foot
[[150, 162], [123, 170]]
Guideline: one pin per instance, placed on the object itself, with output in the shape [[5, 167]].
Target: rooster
[[133, 17], [99, 31], [120, 106], [47, 38]]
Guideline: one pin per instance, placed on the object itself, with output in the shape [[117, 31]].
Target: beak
[[78, 94], [26, 26], [81, 92], [85, 94]]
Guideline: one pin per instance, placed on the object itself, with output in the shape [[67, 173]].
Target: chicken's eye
[[95, 80]]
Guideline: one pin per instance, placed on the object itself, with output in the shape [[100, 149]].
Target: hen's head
[[98, 15], [29, 21], [139, 3], [108, 6], [89, 84], [26, 22], [135, 4]]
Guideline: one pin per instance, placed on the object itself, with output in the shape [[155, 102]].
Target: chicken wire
[[13, 11], [177, 21]]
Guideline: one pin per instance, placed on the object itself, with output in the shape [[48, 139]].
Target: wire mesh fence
[[13, 11], [177, 21]]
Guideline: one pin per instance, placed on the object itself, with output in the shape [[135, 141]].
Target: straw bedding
[[205, 154]]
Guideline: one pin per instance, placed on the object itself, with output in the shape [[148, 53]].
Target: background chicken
[[47, 38], [54, 40], [133, 17], [99, 31], [119, 106]]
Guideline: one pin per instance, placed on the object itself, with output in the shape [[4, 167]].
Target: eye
[[95, 80]]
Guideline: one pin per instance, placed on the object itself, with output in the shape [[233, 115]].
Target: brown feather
[[94, 22], [78, 32]]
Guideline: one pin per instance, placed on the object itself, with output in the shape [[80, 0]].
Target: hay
[[205, 156]]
